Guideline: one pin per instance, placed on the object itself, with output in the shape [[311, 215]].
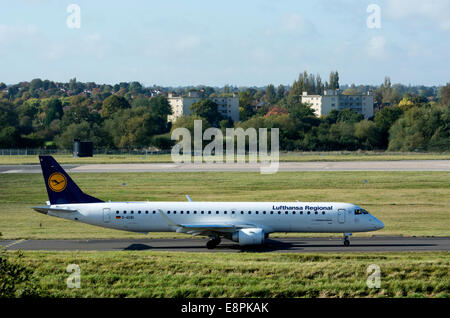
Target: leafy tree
[[270, 95], [160, 107], [384, 119], [112, 104], [281, 91], [368, 134], [349, 116], [84, 131], [54, 111], [208, 110], [17, 280], [444, 93], [334, 80], [9, 137], [188, 123], [246, 110], [421, 128]]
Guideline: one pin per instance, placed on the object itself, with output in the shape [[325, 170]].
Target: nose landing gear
[[347, 239]]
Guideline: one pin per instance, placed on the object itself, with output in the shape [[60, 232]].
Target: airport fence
[[42, 151]]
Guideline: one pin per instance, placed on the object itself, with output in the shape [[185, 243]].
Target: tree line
[[42, 113]]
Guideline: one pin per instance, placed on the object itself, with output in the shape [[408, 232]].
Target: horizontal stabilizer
[[45, 209]]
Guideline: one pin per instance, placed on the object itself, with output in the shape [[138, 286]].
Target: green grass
[[284, 156], [409, 203], [169, 274]]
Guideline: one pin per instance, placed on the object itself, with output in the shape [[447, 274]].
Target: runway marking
[[14, 243]]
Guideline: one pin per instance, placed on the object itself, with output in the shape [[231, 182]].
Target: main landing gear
[[347, 239], [213, 242]]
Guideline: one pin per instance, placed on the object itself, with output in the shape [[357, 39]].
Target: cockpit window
[[360, 211]]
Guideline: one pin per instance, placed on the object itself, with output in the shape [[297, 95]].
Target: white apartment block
[[331, 99], [227, 106]]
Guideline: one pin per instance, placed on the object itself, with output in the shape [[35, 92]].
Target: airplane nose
[[379, 225]]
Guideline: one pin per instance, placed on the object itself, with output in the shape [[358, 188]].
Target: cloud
[[436, 11], [376, 47], [294, 22], [11, 34]]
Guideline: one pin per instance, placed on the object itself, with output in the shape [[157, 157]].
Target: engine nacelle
[[251, 236]]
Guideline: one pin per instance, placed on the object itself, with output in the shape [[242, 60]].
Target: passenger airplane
[[248, 223]]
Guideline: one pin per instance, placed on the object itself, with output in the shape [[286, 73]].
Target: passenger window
[[117, 212], [168, 212], [187, 212], [124, 212], [279, 212]]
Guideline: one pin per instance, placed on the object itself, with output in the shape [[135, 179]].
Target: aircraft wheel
[[346, 242], [212, 243]]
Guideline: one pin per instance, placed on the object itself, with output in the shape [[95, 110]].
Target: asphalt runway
[[400, 165], [290, 245]]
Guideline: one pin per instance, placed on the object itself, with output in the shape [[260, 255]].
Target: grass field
[[167, 274], [284, 156], [409, 203]]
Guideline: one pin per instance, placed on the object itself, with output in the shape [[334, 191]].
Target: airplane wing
[[45, 209], [203, 228]]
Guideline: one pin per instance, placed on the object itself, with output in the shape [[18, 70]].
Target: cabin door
[[341, 216], [106, 215]]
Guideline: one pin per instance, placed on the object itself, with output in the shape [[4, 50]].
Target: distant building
[[331, 99], [227, 106]]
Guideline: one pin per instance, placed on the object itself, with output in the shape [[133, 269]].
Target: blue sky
[[243, 43]]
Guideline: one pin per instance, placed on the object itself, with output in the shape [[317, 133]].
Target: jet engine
[[250, 236]]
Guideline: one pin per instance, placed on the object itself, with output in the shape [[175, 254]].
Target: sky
[[217, 43]]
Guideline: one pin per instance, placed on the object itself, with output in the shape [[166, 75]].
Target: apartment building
[[227, 106], [332, 99]]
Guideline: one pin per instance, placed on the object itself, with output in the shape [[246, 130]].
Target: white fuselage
[[320, 217]]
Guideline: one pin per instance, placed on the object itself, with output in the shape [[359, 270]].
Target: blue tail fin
[[60, 187]]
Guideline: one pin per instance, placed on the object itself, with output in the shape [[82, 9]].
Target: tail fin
[[60, 187]]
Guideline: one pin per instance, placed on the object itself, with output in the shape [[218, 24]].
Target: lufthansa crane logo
[[57, 182]]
